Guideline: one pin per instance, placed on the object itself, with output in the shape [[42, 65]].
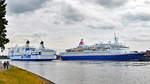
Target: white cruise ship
[[101, 51]]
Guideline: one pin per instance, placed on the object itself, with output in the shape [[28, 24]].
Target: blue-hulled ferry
[[103, 51]]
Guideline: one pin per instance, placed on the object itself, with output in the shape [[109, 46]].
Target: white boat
[[29, 53]]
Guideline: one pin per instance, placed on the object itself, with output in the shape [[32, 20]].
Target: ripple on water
[[90, 72]]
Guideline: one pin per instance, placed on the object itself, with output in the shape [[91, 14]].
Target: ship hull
[[33, 58], [120, 57]]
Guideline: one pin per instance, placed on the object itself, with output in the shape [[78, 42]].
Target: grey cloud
[[39, 34], [71, 15], [58, 38], [111, 3], [147, 2], [32, 35], [139, 39], [144, 35], [138, 17], [21, 6], [56, 22], [103, 27]]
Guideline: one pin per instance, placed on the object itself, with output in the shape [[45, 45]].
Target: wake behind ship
[[28, 53], [103, 51]]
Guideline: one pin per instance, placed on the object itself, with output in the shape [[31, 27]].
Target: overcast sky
[[62, 23]]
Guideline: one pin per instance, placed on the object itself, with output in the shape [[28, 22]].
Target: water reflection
[[90, 72]]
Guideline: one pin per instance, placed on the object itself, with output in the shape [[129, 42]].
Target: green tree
[[3, 22]]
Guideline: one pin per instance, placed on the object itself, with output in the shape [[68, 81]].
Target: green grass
[[19, 76]]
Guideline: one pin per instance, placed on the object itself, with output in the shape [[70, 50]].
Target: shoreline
[[44, 79], [16, 75]]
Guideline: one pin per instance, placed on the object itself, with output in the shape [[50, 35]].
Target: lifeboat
[[80, 49], [93, 48]]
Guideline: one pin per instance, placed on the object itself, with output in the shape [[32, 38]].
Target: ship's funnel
[[42, 45], [81, 42], [27, 44]]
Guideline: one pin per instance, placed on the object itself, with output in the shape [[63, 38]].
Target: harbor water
[[90, 72]]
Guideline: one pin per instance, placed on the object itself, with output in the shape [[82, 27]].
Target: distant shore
[[15, 75], [4, 57]]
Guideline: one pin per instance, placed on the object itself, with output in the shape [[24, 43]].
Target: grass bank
[[18, 76]]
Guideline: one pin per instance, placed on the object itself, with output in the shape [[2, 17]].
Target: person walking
[[4, 64], [7, 65]]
